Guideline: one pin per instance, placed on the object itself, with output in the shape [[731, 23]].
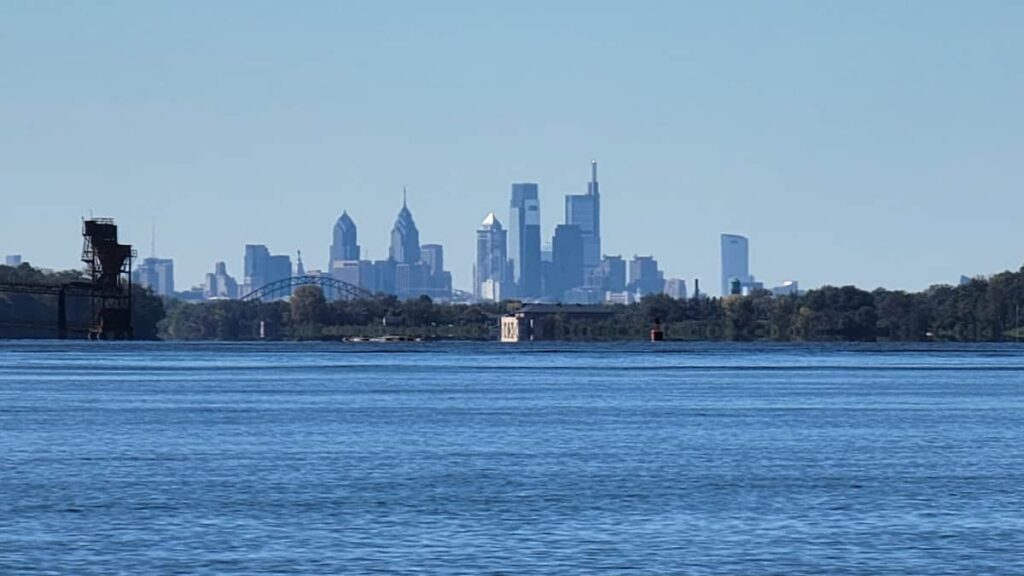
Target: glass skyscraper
[[405, 237], [491, 260], [524, 239], [345, 245], [584, 212], [735, 261]]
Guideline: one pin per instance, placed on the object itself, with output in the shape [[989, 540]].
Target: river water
[[453, 458]]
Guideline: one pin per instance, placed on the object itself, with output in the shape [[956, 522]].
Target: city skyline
[[900, 129]]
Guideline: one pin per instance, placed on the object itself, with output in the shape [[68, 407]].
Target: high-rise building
[[432, 256], [157, 274], [359, 273], [610, 276], [567, 260], [256, 267], [644, 276], [675, 288], [490, 281], [12, 260], [584, 211], [735, 261], [524, 239], [345, 245], [405, 237], [220, 284], [262, 268], [438, 280]]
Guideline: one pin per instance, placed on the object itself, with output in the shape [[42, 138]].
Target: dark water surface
[[486, 459]]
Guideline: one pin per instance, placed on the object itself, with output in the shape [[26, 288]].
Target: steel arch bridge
[[333, 289]]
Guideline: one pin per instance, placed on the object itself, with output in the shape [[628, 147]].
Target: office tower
[[644, 276], [262, 268], [157, 274], [220, 284], [257, 264], [584, 211], [438, 280], [490, 282], [567, 260], [610, 276], [12, 260], [675, 288], [300, 268], [405, 238], [524, 239], [432, 256], [384, 272], [735, 261], [280, 268], [345, 245], [359, 273]]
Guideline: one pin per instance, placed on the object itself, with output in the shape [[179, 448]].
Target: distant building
[[610, 276], [384, 271], [584, 212], [524, 248], [345, 245], [359, 273], [644, 276], [157, 274], [256, 267], [432, 256], [541, 321], [12, 260], [220, 285], [567, 261], [735, 262], [623, 297], [262, 268], [405, 237], [788, 288], [675, 288], [489, 274]]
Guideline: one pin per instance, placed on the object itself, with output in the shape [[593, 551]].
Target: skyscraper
[[261, 268], [524, 239], [157, 274], [644, 276], [584, 211], [345, 245], [489, 280], [256, 268], [735, 261], [567, 260], [405, 237], [220, 284]]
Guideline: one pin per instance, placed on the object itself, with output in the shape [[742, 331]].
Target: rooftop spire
[[593, 171], [405, 198]]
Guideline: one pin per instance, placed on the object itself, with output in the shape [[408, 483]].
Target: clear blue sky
[[874, 143]]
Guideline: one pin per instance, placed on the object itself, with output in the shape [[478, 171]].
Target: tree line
[[982, 310]]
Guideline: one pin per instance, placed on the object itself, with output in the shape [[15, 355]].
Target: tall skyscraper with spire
[[524, 239], [584, 211], [345, 246], [405, 237]]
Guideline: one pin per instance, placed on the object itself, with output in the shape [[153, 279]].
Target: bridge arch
[[333, 289]]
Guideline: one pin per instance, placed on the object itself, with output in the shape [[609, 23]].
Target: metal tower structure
[[108, 266]]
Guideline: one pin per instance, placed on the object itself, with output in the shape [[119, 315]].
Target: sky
[[874, 143]]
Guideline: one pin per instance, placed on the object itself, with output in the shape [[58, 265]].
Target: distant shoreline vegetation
[[982, 310]]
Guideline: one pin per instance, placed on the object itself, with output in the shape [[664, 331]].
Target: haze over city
[[871, 143]]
